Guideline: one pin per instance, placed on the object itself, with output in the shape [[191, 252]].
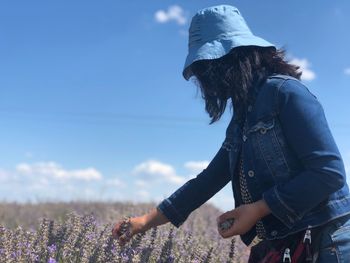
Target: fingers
[[229, 232], [122, 230], [226, 215], [115, 230], [122, 240], [229, 215]]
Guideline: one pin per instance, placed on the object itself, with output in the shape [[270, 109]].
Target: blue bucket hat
[[214, 31]]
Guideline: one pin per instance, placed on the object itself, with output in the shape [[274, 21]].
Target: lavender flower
[[77, 237]]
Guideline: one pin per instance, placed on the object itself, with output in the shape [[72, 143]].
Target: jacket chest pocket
[[269, 148]]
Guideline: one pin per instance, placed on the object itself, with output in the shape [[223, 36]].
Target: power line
[[114, 118], [99, 117], [110, 115]]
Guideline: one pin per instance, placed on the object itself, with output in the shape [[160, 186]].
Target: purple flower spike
[[52, 248]]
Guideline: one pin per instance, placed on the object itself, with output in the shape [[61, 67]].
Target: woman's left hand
[[245, 217]]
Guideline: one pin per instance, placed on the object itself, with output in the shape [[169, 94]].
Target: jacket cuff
[[279, 208], [169, 211]]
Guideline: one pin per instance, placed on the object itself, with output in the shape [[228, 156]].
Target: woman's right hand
[[138, 225], [124, 230]]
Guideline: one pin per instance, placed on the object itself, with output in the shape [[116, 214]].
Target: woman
[[287, 174]]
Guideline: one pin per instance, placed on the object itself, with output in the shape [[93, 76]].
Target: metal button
[[262, 130], [244, 137], [274, 233], [250, 173], [250, 108]]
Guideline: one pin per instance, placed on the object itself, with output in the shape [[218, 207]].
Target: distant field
[[81, 232]]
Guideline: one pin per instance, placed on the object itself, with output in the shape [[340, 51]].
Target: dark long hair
[[234, 75]]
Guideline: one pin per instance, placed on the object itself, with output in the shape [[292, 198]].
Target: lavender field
[[81, 232]]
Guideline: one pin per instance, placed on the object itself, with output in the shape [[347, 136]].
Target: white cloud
[[24, 168], [154, 167], [43, 181], [55, 170], [174, 12], [4, 176], [50, 181], [141, 183], [115, 182], [159, 170], [223, 200], [347, 71], [143, 194], [304, 64], [196, 166]]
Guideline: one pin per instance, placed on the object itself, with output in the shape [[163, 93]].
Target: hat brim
[[217, 48]]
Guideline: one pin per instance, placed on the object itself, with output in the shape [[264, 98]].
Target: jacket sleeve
[[198, 190], [307, 132]]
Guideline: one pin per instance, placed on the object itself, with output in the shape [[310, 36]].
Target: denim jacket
[[290, 158]]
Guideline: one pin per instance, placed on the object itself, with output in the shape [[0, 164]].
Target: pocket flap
[[262, 125]]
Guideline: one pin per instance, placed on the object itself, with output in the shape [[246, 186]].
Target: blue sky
[[93, 104]]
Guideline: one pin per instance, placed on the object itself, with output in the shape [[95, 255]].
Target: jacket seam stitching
[[264, 153], [284, 204], [280, 149], [277, 95]]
